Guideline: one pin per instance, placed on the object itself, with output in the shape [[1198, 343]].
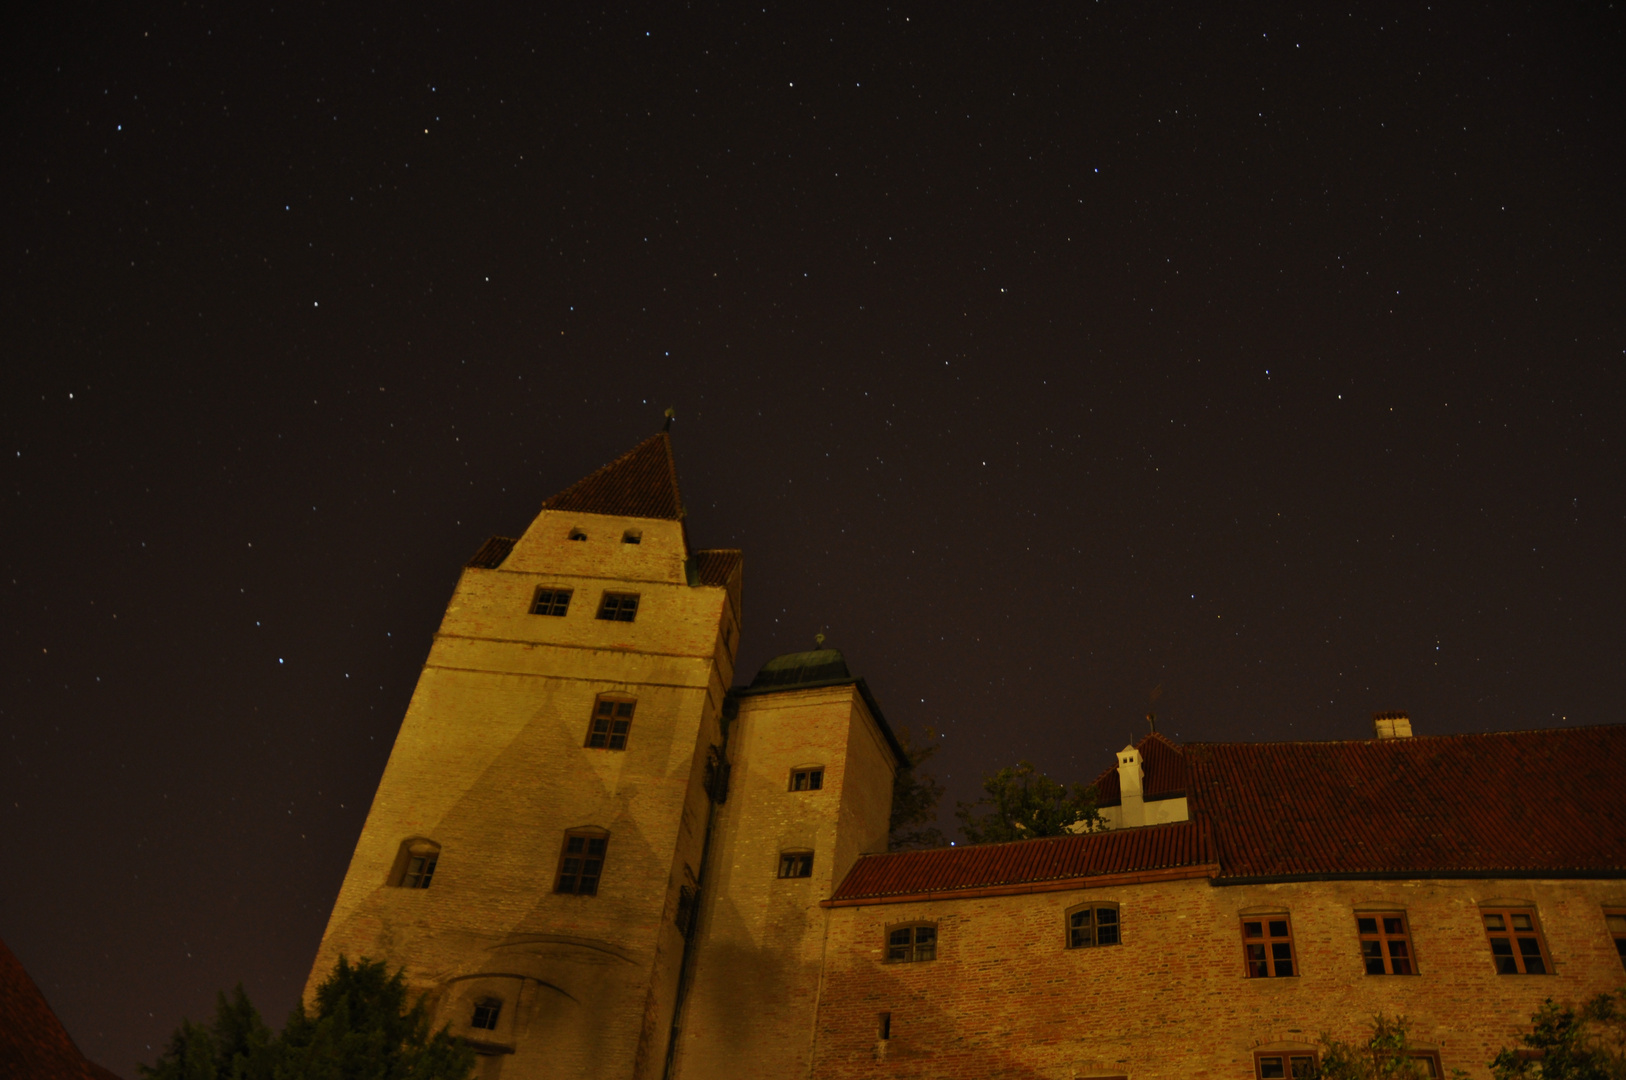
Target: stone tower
[[532, 854]]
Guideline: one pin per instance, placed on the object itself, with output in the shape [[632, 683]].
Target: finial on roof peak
[[671, 414], [818, 641]]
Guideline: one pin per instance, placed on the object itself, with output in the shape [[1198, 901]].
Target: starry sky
[[1266, 364]]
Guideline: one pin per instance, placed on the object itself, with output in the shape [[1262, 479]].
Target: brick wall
[[1006, 998]]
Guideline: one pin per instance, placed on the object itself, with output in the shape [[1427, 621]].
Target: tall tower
[[536, 838]]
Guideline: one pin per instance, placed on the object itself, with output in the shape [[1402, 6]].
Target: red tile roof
[[640, 483], [1513, 803], [1499, 804], [1053, 862], [493, 552], [1163, 772], [33, 1042], [716, 566]]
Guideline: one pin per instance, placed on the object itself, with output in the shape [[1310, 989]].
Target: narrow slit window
[[551, 602], [611, 724], [807, 779], [1516, 944], [618, 607], [1093, 925], [1615, 920], [1267, 941], [581, 863], [486, 1011], [1385, 943], [796, 864], [886, 1026], [911, 944]]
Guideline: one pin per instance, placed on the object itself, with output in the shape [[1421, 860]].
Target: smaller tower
[[813, 762]]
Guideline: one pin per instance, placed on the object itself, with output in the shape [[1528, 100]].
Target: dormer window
[[577, 534], [632, 536]]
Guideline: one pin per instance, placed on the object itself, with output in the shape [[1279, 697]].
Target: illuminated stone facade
[[727, 910]]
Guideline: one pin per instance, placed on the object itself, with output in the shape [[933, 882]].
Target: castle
[[599, 858]]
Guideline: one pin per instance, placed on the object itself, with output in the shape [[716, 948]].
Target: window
[[581, 862], [1285, 1065], [1616, 921], [907, 944], [632, 536], [1515, 941], [612, 722], [415, 864], [1093, 924], [796, 864], [577, 534], [486, 1011], [618, 607], [551, 602], [807, 779], [1385, 943], [886, 1025], [1425, 1063], [1268, 941]]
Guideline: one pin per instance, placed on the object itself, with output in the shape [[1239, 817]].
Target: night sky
[[1269, 365]]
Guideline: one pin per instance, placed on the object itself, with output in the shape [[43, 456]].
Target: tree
[[1570, 1043], [1024, 803], [1385, 1056], [915, 796], [362, 1029]]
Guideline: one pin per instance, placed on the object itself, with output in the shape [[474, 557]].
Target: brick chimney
[[1391, 725]]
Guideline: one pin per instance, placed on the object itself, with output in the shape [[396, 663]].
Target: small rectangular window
[[1092, 926], [1515, 940], [551, 602], [807, 780], [618, 607], [1615, 920], [910, 944], [1268, 943], [796, 864], [1285, 1066], [632, 536], [581, 863], [611, 724], [486, 1011], [1385, 943], [420, 870]]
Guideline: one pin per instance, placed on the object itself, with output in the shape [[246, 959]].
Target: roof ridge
[[640, 483], [1403, 740], [1027, 840]]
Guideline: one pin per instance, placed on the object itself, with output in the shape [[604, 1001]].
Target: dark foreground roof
[[715, 566], [33, 1042], [1499, 804], [1054, 862], [1514, 803], [640, 483]]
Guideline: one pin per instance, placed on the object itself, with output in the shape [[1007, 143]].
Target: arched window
[[612, 721], [796, 864], [1089, 925], [415, 863], [911, 942]]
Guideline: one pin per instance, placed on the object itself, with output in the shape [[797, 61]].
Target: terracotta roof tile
[[1520, 802], [1025, 862], [493, 552], [640, 483], [1163, 772], [33, 1042], [716, 566]]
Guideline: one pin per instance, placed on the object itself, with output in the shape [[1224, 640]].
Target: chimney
[[1391, 725], [1129, 787]]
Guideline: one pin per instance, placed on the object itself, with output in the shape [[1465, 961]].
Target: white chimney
[[1133, 811], [1387, 725]]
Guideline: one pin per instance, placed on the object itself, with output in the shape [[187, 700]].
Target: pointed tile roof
[[640, 483], [33, 1042]]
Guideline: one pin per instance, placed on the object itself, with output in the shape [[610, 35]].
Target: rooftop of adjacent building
[[819, 667], [33, 1042], [1496, 804]]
